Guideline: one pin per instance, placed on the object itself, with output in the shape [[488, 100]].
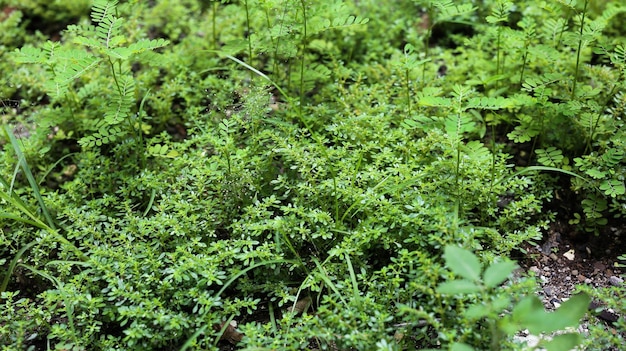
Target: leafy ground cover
[[288, 175]]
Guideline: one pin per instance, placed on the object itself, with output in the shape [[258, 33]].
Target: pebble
[[534, 269], [615, 280], [546, 268], [581, 278], [574, 271], [553, 256], [548, 290]]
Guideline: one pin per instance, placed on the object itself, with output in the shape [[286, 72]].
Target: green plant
[[103, 45], [527, 313], [279, 152]]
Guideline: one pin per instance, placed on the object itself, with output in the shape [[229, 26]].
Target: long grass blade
[[14, 261], [29, 176]]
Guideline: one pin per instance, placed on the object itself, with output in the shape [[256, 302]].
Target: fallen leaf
[[230, 333]]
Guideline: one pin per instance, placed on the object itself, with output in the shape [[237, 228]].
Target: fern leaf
[[435, 101], [448, 10], [124, 102], [523, 132], [613, 187], [612, 157], [75, 64], [104, 136], [552, 29], [619, 56], [455, 126], [103, 9], [346, 22], [551, 157], [477, 150], [108, 31], [491, 103], [146, 45], [29, 54]]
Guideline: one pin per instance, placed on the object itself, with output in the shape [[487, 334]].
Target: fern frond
[[123, 102], [103, 136], [525, 131], [324, 24], [539, 84], [103, 9], [73, 64], [124, 53], [448, 10], [619, 57], [491, 103], [29, 54], [612, 157], [435, 101], [346, 22], [455, 126], [477, 150], [551, 157], [146, 45], [500, 13], [553, 28], [108, 31]]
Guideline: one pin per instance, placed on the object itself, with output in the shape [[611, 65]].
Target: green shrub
[[268, 152]]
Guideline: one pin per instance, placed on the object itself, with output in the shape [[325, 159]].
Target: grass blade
[[29, 176]]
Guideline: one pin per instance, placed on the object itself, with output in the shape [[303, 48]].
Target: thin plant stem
[[248, 30], [304, 38], [580, 43], [214, 20]]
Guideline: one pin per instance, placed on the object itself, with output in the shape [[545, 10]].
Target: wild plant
[[100, 45]]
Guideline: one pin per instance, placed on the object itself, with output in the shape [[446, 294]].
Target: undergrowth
[[172, 167]]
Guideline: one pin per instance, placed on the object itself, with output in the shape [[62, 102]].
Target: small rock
[[588, 281], [546, 268], [568, 278], [574, 271], [534, 269], [615, 280], [548, 290], [553, 256], [581, 278]]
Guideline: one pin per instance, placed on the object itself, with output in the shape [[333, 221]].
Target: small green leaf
[[563, 342], [497, 273], [613, 187], [527, 311], [459, 346], [570, 312], [462, 262], [476, 311], [460, 286], [595, 173], [500, 303], [549, 157]]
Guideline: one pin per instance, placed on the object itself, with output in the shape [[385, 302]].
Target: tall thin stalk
[[304, 38], [580, 44]]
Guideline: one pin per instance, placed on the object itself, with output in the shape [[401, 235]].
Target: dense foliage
[[172, 166]]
